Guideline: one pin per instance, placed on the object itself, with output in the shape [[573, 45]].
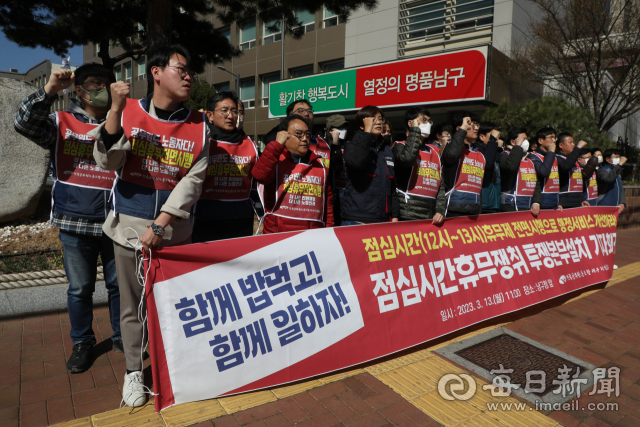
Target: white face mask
[[615, 161], [342, 133], [240, 122], [525, 145], [425, 129], [599, 159]]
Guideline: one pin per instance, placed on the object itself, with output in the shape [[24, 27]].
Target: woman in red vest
[[293, 182]]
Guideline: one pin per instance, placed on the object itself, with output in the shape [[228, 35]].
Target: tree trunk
[[158, 28]]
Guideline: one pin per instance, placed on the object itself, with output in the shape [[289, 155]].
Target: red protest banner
[[243, 314]]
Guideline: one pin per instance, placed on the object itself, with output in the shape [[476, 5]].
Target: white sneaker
[[133, 390], [615, 267]]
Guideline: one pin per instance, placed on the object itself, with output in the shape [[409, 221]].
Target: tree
[[587, 51], [201, 91], [139, 26], [549, 111]]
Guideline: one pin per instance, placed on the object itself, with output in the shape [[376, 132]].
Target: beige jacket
[[121, 228]]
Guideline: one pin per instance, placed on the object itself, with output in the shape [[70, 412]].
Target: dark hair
[[162, 55], [544, 132], [609, 152], [92, 69], [284, 124], [486, 127], [445, 128], [563, 137], [593, 151], [459, 116], [413, 113], [585, 151], [293, 104], [212, 103], [514, 132], [366, 111]]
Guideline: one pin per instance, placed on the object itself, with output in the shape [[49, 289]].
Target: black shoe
[[118, 347], [80, 359]]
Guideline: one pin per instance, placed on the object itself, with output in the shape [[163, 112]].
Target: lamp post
[[237, 76]]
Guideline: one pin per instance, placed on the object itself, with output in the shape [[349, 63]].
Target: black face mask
[[387, 139]]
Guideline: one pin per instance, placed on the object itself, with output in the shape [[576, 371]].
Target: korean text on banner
[[261, 311]]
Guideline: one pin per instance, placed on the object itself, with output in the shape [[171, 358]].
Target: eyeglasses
[[96, 83], [379, 119], [225, 112], [304, 110], [426, 120], [555, 138], [475, 124], [182, 72], [302, 135]]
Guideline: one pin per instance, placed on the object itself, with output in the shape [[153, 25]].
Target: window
[[302, 71], [266, 80], [248, 92], [248, 35], [332, 66], [269, 36], [222, 87], [118, 72], [140, 27], [308, 20], [127, 72], [226, 33], [96, 49], [142, 69], [331, 19]]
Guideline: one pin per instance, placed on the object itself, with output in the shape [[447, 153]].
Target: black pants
[[207, 231]]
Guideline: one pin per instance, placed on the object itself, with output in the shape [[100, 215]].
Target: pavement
[[600, 325]]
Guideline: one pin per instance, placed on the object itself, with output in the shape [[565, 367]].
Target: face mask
[[425, 129], [525, 145], [240, 122], [342, 133], [599, 159], [98, 98], [615, 161]]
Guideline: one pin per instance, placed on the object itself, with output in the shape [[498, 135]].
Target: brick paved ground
[[35, 389]]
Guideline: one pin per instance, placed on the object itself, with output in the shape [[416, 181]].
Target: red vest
[[229, 171], [592, 187], [527, 179], [322, 149], [162, 152], [552, 182], [342, 178], [470, 172], [74, 155], [300, 190], [425, 174]]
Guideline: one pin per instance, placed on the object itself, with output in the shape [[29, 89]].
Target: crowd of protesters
[[185, 176]]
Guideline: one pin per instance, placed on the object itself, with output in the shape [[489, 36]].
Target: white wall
[[372, 36], [511, 21]]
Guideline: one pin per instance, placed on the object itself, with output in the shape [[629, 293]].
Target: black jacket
[[414, 207], [370, 192], [509, 169], [450, 160]]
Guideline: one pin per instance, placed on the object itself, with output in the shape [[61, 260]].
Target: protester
[[240, 122], [225, 208], [159, 182], [520, 188], [79, 203], [597, 153], [463, 168], [370, 168], [420, 192], [610, 189], [590, 182], [571, 174], [546, 165], [336, 129], [443, 135], [387, 133], [293, 182], [488, 145]]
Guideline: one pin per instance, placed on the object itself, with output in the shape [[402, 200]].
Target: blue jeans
[[348, 222], [81, 263]]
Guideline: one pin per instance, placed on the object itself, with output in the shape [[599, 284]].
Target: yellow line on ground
[[414, 376]]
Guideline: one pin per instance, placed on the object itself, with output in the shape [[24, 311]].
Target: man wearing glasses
[[160, 149], [80, 196], [225, 210], [546, 163], [293, 182]]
